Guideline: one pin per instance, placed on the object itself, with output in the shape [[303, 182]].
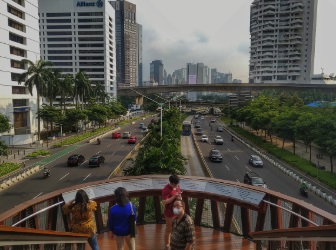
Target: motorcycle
[[304, 192], [232, 138], [98, 141], [321, 167], [46, 174]]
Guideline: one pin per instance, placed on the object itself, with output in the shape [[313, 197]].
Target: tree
[[52, 86], [36, 76], [72, 118], [99, 93], [98, 113], [82, 88], [49, 114], [4, 127], [66, 89]]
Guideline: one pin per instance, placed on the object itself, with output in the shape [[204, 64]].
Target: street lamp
[[158, 103]]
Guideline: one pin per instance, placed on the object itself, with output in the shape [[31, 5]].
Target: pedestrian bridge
[[227, 215]]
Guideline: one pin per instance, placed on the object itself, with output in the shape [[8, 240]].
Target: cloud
[[201, 38]]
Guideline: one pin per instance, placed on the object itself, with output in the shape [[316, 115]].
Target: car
[[116, 135], [153, 121], [197, 125], [126, 134], [256, 161], [213, 120], [132, 139], [144, 130], [254, 179], [75, 160], [141, 125], [219, 140], [199, 131], [215, 155], [220, 129], [204, 138], [202, 117], [96, 161]]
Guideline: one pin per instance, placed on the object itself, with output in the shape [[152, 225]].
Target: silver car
[[256, 161], [204, 138]]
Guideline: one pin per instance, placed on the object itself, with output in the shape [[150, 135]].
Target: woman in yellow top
[[82, 218]]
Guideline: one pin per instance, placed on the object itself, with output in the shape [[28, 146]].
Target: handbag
[[133, 228]]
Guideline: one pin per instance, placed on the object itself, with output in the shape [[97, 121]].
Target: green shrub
[[41, 152], [8, 167]]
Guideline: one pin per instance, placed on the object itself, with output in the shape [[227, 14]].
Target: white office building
[[79, 35], [19, 39], [282, 41]]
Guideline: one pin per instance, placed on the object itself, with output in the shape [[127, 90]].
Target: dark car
[[96, 161], [75, 160], [256, 161], [215, 155], [253, 179], [220, 129]]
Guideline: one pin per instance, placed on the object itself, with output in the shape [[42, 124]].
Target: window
[[14, 11], [20, 120], [58, 20], [91, 58], [60, 27], [92, 69], [90, 26], [15, 77], [17, 64], [59, 57], [59, 33], [60, 39], [90, 14], [91, 51], [59, 45], [59, 51], [16, 38], [91, 20], [91, 63], [19, 90], [85, 39], [15, 25], [62, 63], [20, 2], [17, 51], [19, 102], [58, 14], [90, 33], [94, 45]]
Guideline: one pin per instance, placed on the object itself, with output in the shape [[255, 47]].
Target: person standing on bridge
[[170, 193]]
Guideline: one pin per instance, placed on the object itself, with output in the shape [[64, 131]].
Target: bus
[[186, 128]]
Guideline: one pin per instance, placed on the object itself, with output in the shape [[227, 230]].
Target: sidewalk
[[300, 149]]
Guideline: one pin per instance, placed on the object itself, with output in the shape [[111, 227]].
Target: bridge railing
[[219, 204]]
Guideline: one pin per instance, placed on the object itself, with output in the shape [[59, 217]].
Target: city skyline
[[177, 39]]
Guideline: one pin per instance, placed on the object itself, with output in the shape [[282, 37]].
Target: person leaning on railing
[[82, 220]]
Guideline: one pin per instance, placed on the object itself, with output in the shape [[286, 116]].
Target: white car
[[202, 117], [219, 140], [204, 138]]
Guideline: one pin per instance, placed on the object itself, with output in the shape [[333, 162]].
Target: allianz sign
[[99, 4]]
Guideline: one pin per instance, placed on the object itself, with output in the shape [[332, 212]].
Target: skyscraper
[[19, 39], [80, 37], [126, 42], [139, 42], [157, 72], [282, 41]]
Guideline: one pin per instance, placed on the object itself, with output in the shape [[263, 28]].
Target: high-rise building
[[80, 36], [19, 39], [156, 72], [139, 42], [282, 41], [200, 73], [191, 73], [126, 42]]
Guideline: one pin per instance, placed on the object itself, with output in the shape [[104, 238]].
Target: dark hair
[[174, 179], [182, 202], [121, 196], [81, 198]]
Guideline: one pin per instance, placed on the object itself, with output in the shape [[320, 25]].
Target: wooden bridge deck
[[150, 237]]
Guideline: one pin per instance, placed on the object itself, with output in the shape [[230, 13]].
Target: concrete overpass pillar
[[139, 100]]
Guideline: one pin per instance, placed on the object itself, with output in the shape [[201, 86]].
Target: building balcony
[[226, 215]]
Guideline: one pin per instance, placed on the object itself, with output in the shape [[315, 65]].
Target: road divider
[[14, 179]]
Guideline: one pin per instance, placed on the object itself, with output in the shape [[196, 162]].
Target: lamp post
[[160, 104]]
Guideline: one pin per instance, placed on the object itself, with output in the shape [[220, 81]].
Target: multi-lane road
[[234, 166], [114, 151]]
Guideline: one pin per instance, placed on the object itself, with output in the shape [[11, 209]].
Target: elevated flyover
[[223, 87]]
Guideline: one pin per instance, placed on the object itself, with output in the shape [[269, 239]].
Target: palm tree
[[36, 76], [99, 93], [66, 89], [53, 85], [82, 89]]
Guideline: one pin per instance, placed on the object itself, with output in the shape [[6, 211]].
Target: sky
[[216, 33]]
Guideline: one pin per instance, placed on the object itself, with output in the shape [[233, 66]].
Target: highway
[[62, 176], [235, 165]]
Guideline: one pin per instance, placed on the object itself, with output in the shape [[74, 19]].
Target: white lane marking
[[98, 152], [114, 152], [248, 168], [238, 181], [64, 176], [237, 158], [229, 149], [109, 145], [87, 177], [227, 167], [122, 145], [83, 162], [38, 195]]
